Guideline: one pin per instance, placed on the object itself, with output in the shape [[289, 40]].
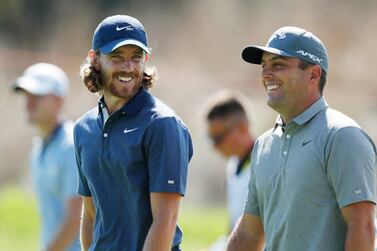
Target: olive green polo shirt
[[304, 172]]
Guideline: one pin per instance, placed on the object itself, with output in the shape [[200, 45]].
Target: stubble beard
[[110, 87]]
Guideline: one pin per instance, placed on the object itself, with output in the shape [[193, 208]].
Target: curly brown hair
[[91, 77]]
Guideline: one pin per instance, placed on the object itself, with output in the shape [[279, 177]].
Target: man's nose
[[266, 73]]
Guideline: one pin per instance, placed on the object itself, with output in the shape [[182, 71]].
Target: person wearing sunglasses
[[228, 128]]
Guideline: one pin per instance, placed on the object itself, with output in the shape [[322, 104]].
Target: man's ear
[[315, 73], [94, 60]]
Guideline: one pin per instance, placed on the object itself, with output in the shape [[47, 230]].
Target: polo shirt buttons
[[285, 153], [288, 136], [105, 135], [123, 113]]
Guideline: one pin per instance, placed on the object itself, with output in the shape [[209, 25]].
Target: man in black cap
[[132, 150], [313, 175]]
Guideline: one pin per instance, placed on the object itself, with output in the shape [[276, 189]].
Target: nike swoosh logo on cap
[[129, 28]]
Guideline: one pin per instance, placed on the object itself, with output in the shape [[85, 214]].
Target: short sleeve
[[168, 149], [351, 166], [82, 187], [69, 172], [252, 203]]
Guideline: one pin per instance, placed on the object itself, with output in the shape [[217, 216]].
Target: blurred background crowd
[[196, 48]]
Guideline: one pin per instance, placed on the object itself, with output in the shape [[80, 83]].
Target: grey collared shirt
[[304, 173]]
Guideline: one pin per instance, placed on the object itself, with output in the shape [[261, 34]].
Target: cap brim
[[30, 85], [106, 49], [253, 54]]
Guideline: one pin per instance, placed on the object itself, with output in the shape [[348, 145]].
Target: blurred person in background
[[52, 158], [228, 127], [132, 149], [313, 175]]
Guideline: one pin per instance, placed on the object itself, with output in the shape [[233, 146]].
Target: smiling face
[[290, 89], [121, 74]]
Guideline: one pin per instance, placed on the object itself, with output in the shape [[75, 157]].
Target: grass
[[19, 223], [201, 226]]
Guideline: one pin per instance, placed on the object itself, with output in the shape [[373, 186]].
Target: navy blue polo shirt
[[142, 148]]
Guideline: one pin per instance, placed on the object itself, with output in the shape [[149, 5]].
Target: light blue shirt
[[54, 173], [303, 173], [237, 186]]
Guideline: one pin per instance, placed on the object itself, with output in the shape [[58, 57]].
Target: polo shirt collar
[[132, 106], [307, 115], [310, 112]]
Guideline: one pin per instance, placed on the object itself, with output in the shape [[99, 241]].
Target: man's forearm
[[248, 235], [243, 242], [359, 218], [360, 239], [160, 236], [87, 222], [65, 237], [86, 232], [69, 228]]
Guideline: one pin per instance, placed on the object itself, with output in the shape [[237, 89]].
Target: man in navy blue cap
[[132, 150], [313, 175]]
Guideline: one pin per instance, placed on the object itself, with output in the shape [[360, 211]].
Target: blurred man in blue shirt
[[52, 159]]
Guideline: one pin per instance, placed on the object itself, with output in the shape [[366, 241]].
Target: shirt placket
[[106, 131], [286, 144]]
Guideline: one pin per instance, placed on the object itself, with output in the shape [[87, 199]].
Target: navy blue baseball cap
[[290, 41], [116, 31]]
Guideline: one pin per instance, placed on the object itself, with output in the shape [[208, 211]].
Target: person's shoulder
[[343, 127], [336, 120], [267, 134], [231, 165], [88, 118], [160, 111], [64, 139], [67, 129], [67, 126]]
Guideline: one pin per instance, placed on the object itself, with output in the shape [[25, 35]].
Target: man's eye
[[136, 58], [278, 65]]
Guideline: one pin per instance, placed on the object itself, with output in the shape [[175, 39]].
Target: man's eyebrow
[[139, 52], [113, 53], [118, 52]]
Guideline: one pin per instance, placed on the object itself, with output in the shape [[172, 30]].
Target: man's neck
[[114, 103], [248, 147], [46, 129]]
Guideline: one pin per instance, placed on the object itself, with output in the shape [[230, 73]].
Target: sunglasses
[[218, 138]]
